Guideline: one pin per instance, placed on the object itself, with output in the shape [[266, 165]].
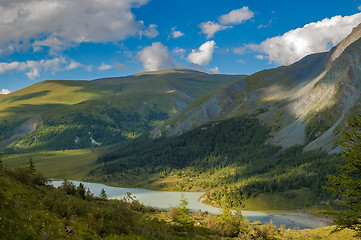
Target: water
[[164, 200]]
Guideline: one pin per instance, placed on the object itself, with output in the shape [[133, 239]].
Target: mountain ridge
[[124, 107], [306, 103]]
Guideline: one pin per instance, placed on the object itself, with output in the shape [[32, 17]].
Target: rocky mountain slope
[[81, 114], [306, 103]]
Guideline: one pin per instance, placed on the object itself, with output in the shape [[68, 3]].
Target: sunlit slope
[[78, 114], [306, 103]]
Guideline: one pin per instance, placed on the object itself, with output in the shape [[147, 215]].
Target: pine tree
[[81, 190], [180, 214], [103, 195], [31, 165], [347, 185]]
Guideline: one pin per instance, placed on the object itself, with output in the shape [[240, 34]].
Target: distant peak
[[351, 38]]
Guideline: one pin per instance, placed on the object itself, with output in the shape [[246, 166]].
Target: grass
[[319, 233], [302, 198], [32, 210], [72, 164], [58, 100]]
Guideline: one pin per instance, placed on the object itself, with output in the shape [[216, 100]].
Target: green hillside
[[230, 160], [82, 114], [30, 209]]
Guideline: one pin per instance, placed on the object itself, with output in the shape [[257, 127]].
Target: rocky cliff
[[306, 103]]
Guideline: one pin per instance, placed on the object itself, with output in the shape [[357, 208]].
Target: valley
[[271, 141]]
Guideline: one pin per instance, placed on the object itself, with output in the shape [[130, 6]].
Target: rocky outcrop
[[25, 128], [214, 108], [313, 98]]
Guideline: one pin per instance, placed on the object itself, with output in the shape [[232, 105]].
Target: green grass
[[74, 164], [153, 96], [288, 200]]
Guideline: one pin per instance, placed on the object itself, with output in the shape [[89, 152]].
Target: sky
[[89, 39]]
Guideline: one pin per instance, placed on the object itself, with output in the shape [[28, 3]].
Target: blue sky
[[89, 39]]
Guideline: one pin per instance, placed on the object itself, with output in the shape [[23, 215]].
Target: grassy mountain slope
[[81, 114], [306, 103], [229, 159], [70, 164]]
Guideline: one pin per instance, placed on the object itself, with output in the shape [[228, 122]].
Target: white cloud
[[73, 65], [104, 67], [210, 28], [5, 91], [234, 17], [156, 57], [359, 8], [59, 23], [246, 48], [179, 51], [312, 38], [175, 33], [260, 57], [237, 16], [240, 50], [151, 31], [214, 70], [202, 55], [33, 69]]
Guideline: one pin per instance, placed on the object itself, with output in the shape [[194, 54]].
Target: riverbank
[[166, 199]]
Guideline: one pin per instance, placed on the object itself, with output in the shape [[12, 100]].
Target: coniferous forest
[[231, 160]]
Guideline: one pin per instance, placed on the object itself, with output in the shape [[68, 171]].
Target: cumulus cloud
[[73, 65], [104, 67], [312, 38], [210, 28], [64, 22], [175, 33], [151, 31], [236, 16], [33, 69], [156, 57], [214, 70], [203, 55], [5, 91]]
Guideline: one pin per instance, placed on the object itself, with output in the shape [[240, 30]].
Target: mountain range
[[263, 137], [307, 103], [58, 114]]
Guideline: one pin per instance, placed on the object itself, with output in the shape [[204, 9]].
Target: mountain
[[306, 103], [64, 114], [258, 138]]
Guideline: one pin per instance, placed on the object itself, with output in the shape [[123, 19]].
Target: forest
[[91, 127], [230, 160]]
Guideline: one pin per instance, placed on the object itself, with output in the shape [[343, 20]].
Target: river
[[164, 199]]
